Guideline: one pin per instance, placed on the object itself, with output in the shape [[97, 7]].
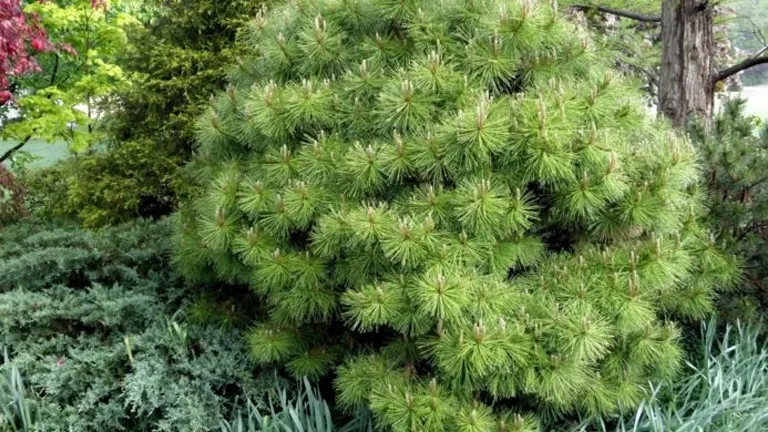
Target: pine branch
[[742, 66], [622, 13]]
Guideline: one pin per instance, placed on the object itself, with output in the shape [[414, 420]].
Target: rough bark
[[686, 87]]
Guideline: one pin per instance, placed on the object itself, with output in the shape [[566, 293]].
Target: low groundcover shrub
[[95, 324]]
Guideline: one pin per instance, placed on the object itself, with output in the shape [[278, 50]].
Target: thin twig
[[622, 13], [14, 149]]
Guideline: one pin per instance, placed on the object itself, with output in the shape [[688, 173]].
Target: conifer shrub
[[735, 156], [455, 209], [96, 324], [178, 58], [125, 181]]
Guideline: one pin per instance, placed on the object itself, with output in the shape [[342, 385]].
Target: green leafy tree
[[64, 101], [457, 206]]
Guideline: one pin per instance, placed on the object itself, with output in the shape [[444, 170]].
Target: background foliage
[[77, 73], [177, 61], [135, 179], [747, 24], [174, 61]]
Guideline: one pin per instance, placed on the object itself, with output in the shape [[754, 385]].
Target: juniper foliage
[[95, 323], [456, 207]]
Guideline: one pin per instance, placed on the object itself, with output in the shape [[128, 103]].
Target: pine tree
[[735, 161], [456, 208]]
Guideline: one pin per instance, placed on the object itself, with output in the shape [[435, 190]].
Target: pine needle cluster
[[456, 207]]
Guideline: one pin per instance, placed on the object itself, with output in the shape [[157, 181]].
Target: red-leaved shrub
[[12, 194]]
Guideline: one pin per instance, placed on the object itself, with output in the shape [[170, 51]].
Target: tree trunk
[[686, 86]]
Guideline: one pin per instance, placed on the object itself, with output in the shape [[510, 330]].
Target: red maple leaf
[[21, 36]]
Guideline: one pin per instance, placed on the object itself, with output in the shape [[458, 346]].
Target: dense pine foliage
[[456, 206], [95, 324], [735, 156]]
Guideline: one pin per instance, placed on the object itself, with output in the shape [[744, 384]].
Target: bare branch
[[756, 30], [55, 70], [756, 183], [14, 149], [622, 13], [746, 64], [759, 53]]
